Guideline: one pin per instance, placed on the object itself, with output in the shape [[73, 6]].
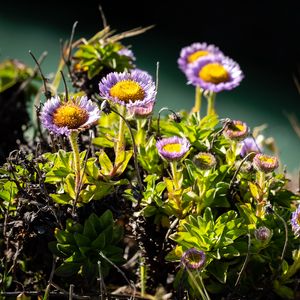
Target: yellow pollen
[[267, 160], [194, 56], [126, 90], [70, 115], [172, 147], [236, 127], [298, 219], [214, 73]]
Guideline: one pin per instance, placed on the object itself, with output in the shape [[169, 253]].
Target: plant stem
[[120, 145], [76, 158], [211, 104], [260, 179], [198, 98], [143, 276], [174, 171]]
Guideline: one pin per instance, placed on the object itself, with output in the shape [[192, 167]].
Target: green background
[[261, 37]]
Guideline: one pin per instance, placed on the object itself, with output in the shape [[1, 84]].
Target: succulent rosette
[[193, 259], [131, 89], [215, 74], [195, 52], [62, 118], [173, 148]]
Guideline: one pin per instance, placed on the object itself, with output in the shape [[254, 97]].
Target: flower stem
[[211, 104], [120, 145], [73, 141], [198, 98], [174, 171], [260, 179], [141, 133]]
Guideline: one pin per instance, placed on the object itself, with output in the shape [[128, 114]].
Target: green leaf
[[149, 211], [122, 161], [118, 233], [61, 198], [106, 219], [108, 231], [255, 190], [67, 269], [89, 229], [66, 249], [64, 237], [94, 219], [99, 242], [219, 270], [82, 240], [283, 291], [103, 142], [69, 185], [105, 163]]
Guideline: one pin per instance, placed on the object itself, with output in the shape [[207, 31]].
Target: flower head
[[263, 234], [63, 117], [134, 89], [127, 52], [193, 259], [173, 148], [249, 145], [236, 130], [195, 52], [265, 163], [295, 221], [214, 73], [205, 161], [141, 111]]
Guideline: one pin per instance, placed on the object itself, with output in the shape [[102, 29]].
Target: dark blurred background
[[262, 36]]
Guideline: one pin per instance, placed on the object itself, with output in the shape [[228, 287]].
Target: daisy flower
[[172, 148], [194, 52], [215, 74], [131, 89], [62, 118]]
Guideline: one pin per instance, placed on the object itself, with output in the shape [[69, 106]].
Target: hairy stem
[[76, 159], [198, 98], [211, 104]]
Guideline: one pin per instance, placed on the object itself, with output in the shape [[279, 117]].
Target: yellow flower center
[[70, 115], [298, 219], [176, 147], [196, 55], [214, 73], [267, 160], [205, 159], [237, 127], [126, 90]]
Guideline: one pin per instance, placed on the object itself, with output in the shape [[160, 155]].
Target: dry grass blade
[[130, 33]]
